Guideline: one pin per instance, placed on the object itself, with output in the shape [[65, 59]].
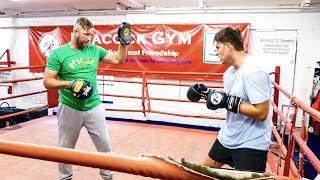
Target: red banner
[[167, 48]]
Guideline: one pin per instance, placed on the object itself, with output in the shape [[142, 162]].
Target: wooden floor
[[131, 139]]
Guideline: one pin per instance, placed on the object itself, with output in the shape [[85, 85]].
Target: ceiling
[[33, 8]]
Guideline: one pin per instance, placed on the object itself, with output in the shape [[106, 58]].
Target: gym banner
[[155, 47]]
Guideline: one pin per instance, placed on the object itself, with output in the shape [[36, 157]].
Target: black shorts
[[241, 159]]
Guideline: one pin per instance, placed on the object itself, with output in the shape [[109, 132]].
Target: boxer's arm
[[50, 80], [256, 111], [118, 57]]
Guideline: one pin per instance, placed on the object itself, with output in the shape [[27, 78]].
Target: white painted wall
[[5, 37], [307, 26]]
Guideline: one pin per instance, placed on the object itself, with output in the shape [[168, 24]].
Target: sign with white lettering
[[167, 48]]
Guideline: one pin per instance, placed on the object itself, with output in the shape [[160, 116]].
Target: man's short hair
[[85, 23], [230, 35]]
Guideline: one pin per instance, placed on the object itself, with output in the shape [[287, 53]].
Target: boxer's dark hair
[[232, 36]]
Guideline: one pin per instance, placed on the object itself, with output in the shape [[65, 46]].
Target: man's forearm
[[52, 83], [258, 112], [122, 53]]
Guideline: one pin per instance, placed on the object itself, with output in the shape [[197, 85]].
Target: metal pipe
[[283, 150], [20, 80], [22, 112], [21, 67], [22, 95], [276, 93], [311, 156], [314, 113]]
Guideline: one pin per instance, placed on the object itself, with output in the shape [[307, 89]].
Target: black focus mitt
[[81, 89], [124, 33]]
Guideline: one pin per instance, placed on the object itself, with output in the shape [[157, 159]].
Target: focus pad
[[124, 33]]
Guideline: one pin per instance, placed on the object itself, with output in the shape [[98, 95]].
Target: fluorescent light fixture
[[12, 12], [201, 4], [134, 4], [120, 7], [305, 3]]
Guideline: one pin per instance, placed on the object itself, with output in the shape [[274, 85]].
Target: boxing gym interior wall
[[297, 68]]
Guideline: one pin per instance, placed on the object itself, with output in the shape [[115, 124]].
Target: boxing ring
[[37, 139]]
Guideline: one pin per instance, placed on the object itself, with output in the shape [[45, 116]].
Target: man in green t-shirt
[[72, 68]]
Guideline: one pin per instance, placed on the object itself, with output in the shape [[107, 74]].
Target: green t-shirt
[[73, 64]]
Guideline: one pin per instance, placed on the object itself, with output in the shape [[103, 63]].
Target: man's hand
[[196, 92], [81, 89], [219, 99]]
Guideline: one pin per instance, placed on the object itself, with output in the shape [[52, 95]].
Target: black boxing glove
[[196, 92], [219, 99], [81, 89], [124, 33]]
